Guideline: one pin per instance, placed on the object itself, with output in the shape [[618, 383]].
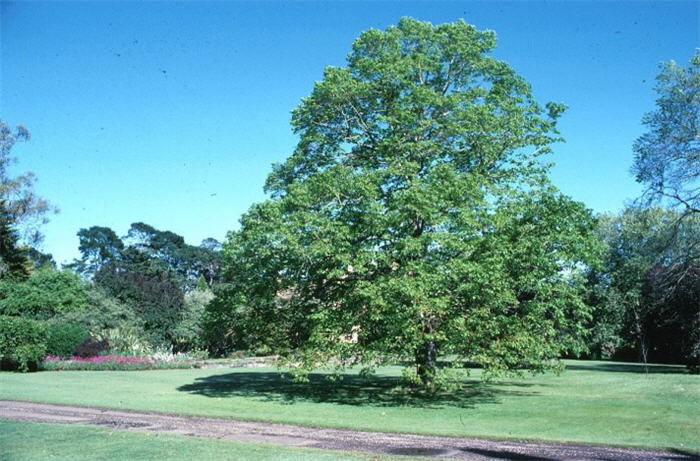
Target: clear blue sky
[[171, 113]]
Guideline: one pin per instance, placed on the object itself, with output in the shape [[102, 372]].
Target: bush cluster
[[22, 342], [64, 339]]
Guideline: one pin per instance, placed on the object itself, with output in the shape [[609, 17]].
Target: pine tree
[[13, 259]]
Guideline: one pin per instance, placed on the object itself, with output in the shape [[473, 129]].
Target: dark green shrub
[[91, 348], [64, 339], [22, 342]]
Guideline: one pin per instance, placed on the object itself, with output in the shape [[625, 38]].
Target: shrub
[[42, 296], [188, 331], [22, 341], [64, 339], [103, 312], [125, 341], [92, 348]]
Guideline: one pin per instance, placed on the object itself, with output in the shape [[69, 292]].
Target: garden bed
[[113, 362]]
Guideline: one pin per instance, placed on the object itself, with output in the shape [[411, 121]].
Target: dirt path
[[331, 439]]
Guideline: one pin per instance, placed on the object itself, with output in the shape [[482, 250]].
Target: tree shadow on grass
[[377, 391], [629, 368]]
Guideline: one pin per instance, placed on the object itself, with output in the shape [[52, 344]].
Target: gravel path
[[331, 439]]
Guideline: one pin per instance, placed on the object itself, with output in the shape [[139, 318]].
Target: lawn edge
[[559, 442]]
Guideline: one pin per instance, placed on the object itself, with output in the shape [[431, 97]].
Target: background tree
[[40, 260], [14, 260], [188, 261], [149, 272], [29, 211], [98, 246], [667, 157], [650, 285], [414, 218], [151, 288]]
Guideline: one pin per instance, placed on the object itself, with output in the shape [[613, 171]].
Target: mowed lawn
[[592, 402], [38, 442]]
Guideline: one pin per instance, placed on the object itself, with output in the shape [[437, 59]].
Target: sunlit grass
[[38, 442], [592, 402]]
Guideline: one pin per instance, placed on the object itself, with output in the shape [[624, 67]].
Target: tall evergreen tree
[[13, 258]]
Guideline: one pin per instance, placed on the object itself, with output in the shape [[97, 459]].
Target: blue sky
[[171, 113]]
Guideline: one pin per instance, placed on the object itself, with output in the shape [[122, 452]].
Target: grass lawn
[[38, 442], [592, 402]]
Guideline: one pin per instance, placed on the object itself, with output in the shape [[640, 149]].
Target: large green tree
[[414, 217], [667, 156]]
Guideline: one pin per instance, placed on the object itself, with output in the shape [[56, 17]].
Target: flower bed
[[111, 362]]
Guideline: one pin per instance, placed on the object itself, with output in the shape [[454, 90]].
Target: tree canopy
[[29, 211], [650, 283], [150, 271], [414, 218], [667, 157]]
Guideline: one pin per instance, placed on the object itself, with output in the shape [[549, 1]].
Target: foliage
[[189, 262], [148, 272], [13, 259], [98, 247], [102, 312], [157, 361], [414, 217], [45, 294], [63, 340], [28, 210], [22, 341], [667, 157], [92, 347], [124, 341], [188, 331], [111, 363], [649, 285], [153, 291], [40, 260], [202, 284], [168, 356], [229, 326]]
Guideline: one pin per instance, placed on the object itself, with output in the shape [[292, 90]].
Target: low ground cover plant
[[157, 361]]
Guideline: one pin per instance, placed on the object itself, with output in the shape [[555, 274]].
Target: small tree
[[414, 218]]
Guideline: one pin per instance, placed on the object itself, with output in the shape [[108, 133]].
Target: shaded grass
[[593, 402], [379, 391], [22, 441]]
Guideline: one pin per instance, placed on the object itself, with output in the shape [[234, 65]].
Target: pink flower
[[128, 360]]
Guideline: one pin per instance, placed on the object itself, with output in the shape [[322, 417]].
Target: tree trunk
[[641, 340], [426, 364]]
